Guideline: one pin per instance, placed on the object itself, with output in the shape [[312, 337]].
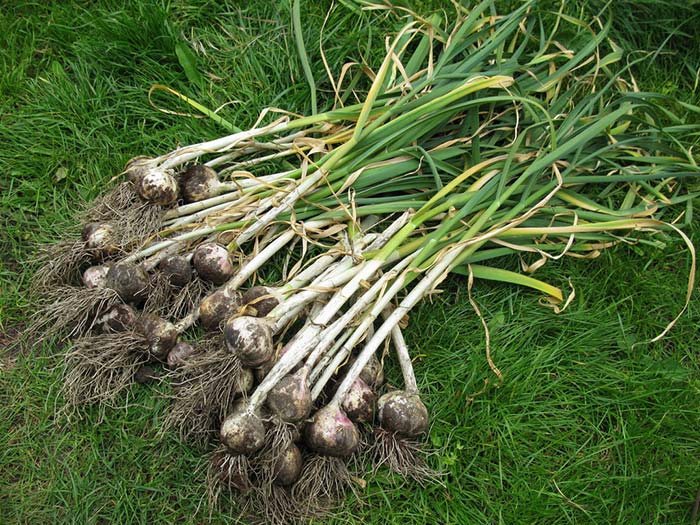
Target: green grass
[[587, 427]]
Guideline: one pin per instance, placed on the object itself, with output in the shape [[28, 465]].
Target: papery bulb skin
[[332, 433], [262, 370], [99, 238], [199, 182], [120, 318], [96, 276], [177, 269], [158, 186], [245, 381], [287, 468], [373, 372], [218, 306], [290, 398], [213, 263], [129, 280], [359, 402], [136, 168], [160, 334], [250, 339], [243, 432], [180, 354], [403, 413]]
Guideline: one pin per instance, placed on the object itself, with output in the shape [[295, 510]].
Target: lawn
[[592, 423]]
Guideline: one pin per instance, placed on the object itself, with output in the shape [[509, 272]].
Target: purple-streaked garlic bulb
[[250, 339], [290, 398], [218, 306], [160, 334], [96, 276], [287, 468], [199, 182], [179, 354], [332, 433], [373, 372], [359, 402], [403, 413], [119, 318], [136, 168], [243, 432], [129, 280], [260, 300], [213, 263], [145, 374], [177, 269], [158, 186], [99, 238], [245, 381]]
